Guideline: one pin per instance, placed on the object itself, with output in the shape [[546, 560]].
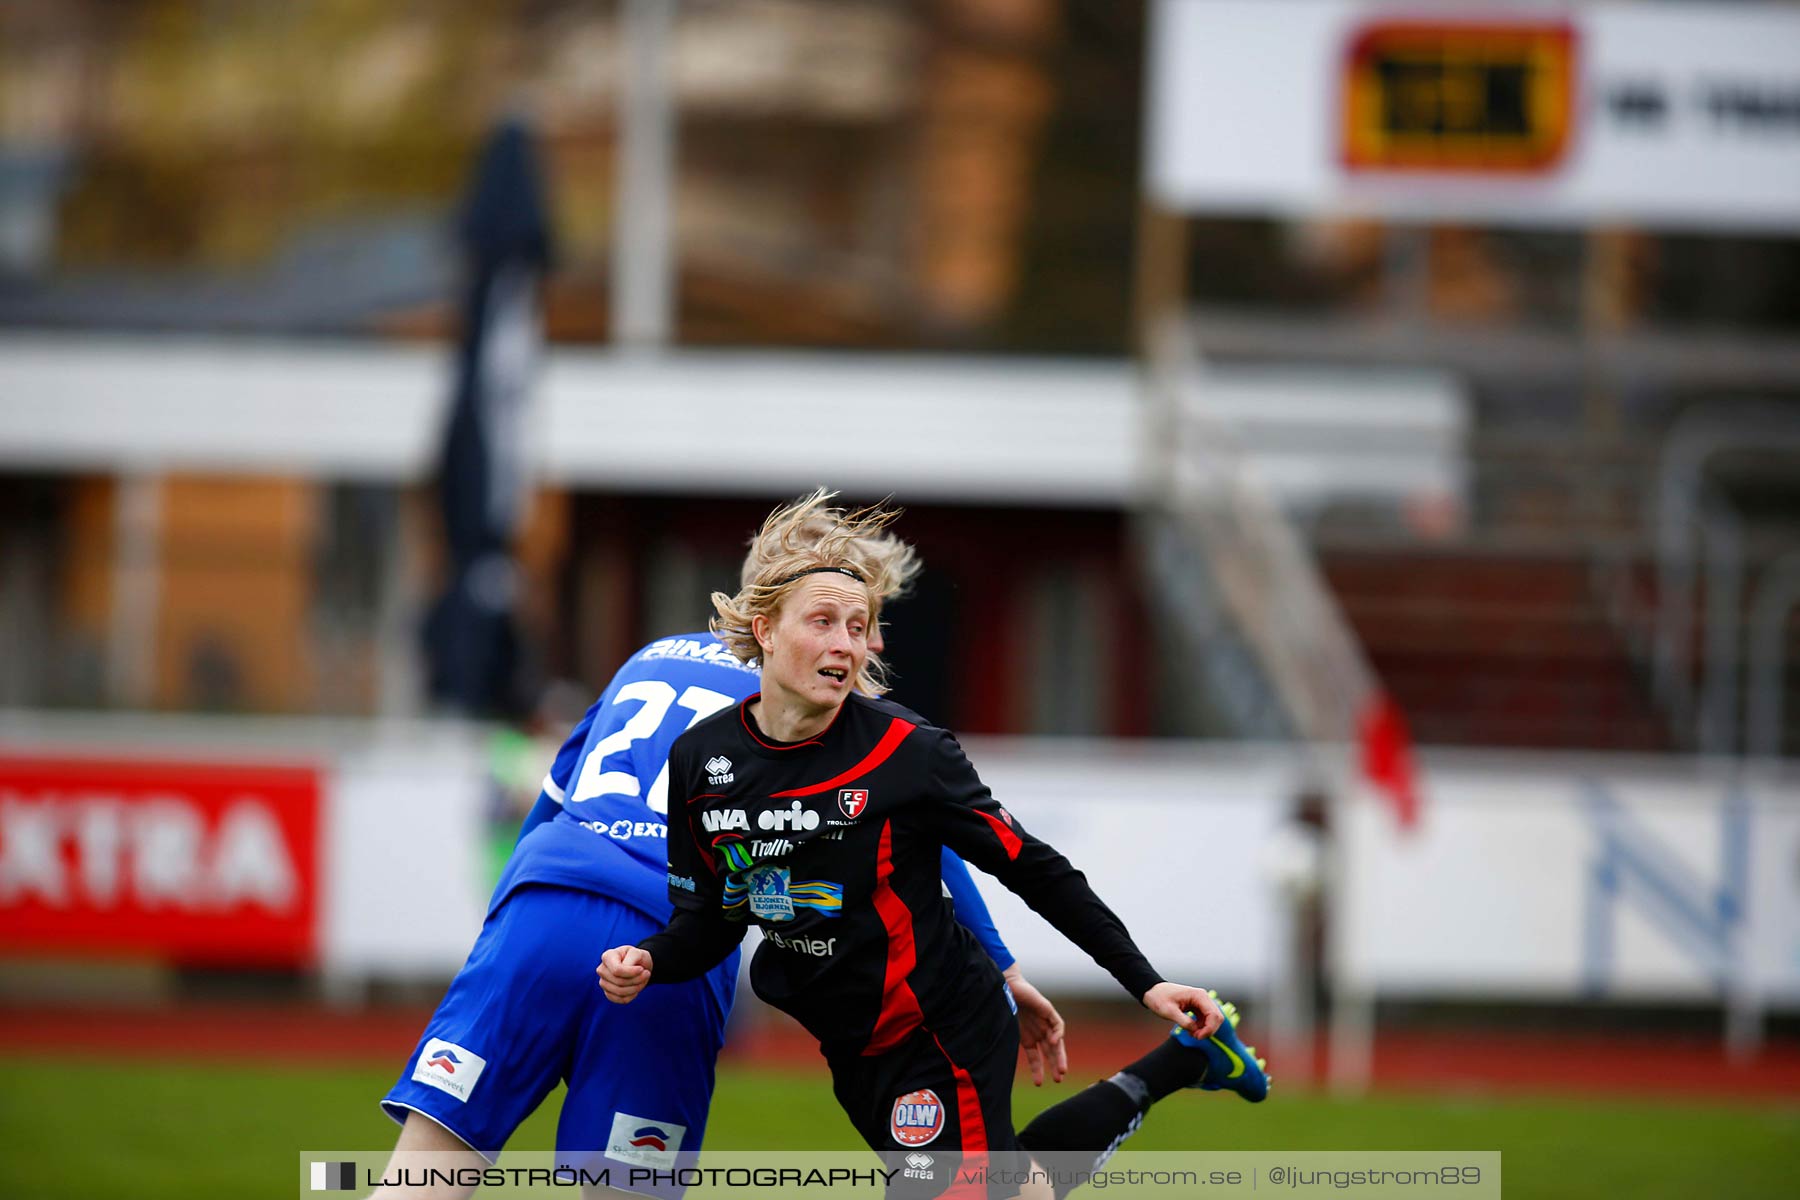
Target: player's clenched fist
[[623, 971]]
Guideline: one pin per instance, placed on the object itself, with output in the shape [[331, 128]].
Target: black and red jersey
[[832, 846]]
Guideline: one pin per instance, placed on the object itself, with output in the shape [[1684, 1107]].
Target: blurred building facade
[[927, 176]]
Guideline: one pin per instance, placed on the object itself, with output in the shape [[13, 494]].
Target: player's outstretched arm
[[1192, 1008], [1040, 1029], [624, 972], [969, 820]]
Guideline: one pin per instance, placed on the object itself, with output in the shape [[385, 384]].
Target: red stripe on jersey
[[884, 749], [974, 1132], [900, 1013], [1009, 841]]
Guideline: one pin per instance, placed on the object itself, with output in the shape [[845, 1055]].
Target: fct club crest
[[917, 1119], [851, 801]]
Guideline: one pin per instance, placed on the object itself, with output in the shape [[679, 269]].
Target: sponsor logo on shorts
[[811, 947], [644, 1142], [851, 801], [918, 1166], [449, 1068], [917, 1119], [623, 830], [718, 771]]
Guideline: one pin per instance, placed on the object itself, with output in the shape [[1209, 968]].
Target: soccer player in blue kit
[[590, 871]]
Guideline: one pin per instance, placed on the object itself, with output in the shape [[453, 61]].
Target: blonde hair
[[893, 565], [808, 535]]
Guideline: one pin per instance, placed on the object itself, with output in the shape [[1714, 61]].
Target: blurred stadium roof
[[1049, 431]]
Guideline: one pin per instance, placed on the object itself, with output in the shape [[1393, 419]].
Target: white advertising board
[[1168, 837], [1610, 883], [407, 823], [1528, 876], [1680, 115]]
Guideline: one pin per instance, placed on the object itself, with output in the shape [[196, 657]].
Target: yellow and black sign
[[1458, 97]]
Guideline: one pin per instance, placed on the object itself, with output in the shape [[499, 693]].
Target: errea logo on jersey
[[718, 771]]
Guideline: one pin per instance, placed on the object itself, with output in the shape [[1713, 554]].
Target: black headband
[[821, 570]]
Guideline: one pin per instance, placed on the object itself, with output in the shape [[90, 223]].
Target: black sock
[[1077, 1136], [1167, 1069], [1093, 1119]]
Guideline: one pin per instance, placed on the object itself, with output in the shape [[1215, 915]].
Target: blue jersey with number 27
[[611, 776]]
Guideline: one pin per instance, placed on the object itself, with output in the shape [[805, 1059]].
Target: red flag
[[1387, 759]]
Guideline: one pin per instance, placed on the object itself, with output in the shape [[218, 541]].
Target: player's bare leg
[[424, 1144], [1038, 1188]]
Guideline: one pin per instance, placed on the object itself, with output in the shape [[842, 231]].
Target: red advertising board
[[195, 863]]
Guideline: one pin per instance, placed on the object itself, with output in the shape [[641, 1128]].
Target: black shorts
[[938, 1107]]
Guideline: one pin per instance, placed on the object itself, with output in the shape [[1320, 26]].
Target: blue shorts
[[526, 1011]]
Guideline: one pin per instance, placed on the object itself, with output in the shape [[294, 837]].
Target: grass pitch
[[81, 1128]]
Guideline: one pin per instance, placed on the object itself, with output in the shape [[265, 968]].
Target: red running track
[[1538, 1063]]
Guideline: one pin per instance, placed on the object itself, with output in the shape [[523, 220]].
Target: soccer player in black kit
[[817, 811]]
